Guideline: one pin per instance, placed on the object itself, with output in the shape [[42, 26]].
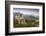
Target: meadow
[[30, 23]]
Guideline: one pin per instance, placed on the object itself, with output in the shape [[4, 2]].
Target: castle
[[20, 19]]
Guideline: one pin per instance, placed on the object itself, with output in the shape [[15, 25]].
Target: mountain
[[29, 17]]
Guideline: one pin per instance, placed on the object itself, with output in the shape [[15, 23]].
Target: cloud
[[34, 12]]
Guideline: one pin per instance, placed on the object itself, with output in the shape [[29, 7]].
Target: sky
[[34, 12]]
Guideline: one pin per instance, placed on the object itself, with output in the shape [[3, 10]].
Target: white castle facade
[[20, 19]]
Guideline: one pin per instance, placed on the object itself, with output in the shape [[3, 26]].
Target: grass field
[[30, 23]]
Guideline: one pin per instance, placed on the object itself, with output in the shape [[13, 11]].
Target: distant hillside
[[29, 17]]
